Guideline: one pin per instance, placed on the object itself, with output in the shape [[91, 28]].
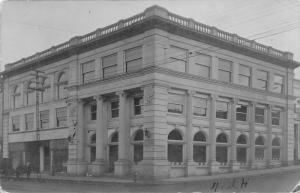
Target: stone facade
[[156, 94]]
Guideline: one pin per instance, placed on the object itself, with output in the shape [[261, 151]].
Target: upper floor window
[[244, 75], [202, 65], [44, 119], [88, 71], [30, 95], [62, 81], [178, 59], [278, 84], [276, 118], [262, 80], [200, 107], [225, 70], [46, 92], [241, 112], [29, 120], [109, 65], [17, 99], [175, 104], [93, 112], [260, 115], [61, 117], [114, 106], [133, 59], [222, 110], [16, 123], [138, 103]]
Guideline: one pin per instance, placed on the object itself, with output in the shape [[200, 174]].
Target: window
[[17, 100], [29, 119], [114, 109], [202, 65], [61, 83], [177, 59], [93, 112], [88, 70], [138, 103], [259, 115], [200, 107], [44, 119], [259, 148], [199, 147], [16, 123], [276, 148], [221, 148], [175, 104], [30, 95], [175, 147], [133, 59], [241, 151], [138, 146], [244, 75], [221, 110], [278, 84], [61, 117], [225, 69], [276, 118], [262, 80], [46, 92], [109, 65], [241, 112]]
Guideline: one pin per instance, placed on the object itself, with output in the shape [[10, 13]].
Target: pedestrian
[[28, 169]]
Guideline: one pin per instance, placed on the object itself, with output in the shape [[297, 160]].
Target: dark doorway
[[46, 158], [113, 156]]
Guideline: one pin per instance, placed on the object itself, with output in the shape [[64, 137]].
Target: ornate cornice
[[153, 17]]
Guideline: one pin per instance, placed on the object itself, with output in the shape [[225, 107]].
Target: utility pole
[[38, 88]]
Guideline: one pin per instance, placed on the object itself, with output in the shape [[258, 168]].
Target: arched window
[[45, 94], [93, 148], [113, 150], [175, 146], [259, 148], [241, 149], [222, 148], [276, 148], [30, 94], [61, 83], [16, 95], [138, 141], [199, 147]]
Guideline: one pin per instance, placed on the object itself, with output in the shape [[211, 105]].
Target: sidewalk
[[130, 180]]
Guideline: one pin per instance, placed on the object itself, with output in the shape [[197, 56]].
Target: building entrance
[[113, 157]]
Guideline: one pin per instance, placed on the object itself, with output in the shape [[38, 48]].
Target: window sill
[[176, 114]]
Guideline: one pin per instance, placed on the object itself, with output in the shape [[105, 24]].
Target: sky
[[28, 27]]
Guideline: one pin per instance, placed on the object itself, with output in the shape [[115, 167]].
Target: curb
[[183, 180]]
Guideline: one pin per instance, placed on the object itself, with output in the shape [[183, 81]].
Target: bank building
[[158, 94]]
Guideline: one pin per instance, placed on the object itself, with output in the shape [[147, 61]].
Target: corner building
[[157, 94]]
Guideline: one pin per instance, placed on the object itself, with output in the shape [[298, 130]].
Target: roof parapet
[[163, 13]]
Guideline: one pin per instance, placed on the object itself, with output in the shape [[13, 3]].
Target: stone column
[[269, 136], [212, 136], [122, 166], [234, 166], [81, 132], [189, 134], [285, 137], [251, 155], [99, 166]]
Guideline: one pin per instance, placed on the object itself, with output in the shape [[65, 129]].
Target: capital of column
[[234, 100], [98, 97], [252, 103], [270, 106], [190, 92], [121, 93], [213, 96], [73, 100]]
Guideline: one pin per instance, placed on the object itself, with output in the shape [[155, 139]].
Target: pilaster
[[233, 163], [251, 156], [189, 132], [212, 136], [269, 136]]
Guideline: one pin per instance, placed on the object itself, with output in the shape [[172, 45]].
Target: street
[[267, 183]]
